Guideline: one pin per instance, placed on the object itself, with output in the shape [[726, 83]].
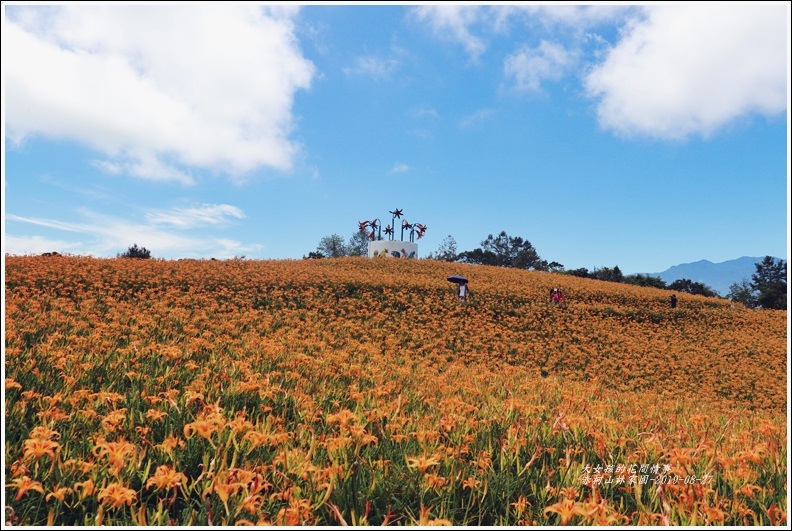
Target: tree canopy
[[770, 283], [505, 251]]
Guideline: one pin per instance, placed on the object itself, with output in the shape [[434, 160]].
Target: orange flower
[[11, 384], [115, 452], [44, 433], [749, 490], [422, 463], [521, 505], [85, 488], [155, 415], [59, 493], [471, 483], [170, 444], [566, 509], [256, 439], [165, 478], [203, 427], [223, 488], [116, 495], [343, 418], [24, 484], [435, 481], [34, 449]]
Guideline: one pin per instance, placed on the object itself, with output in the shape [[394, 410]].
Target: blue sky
[[642, 136]]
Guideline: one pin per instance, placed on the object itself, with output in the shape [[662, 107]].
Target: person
[[557, 297], [463, 291], [673, 300]]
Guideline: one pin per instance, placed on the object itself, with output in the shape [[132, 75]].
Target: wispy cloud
[[158, 89], [453, 23], [193, 217], [528, 68], [146, 167], [106, 236], [375, 67], [426, 112], [476, 117], [400, 168]]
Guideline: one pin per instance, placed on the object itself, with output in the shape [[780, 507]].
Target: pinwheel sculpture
[[376, 227]]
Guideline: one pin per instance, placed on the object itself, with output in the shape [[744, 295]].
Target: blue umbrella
[[457, 279]]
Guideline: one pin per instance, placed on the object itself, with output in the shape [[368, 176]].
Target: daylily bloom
[[86, 488], [34, 449], [24, 484], [115, 452], [155, 414], [422, 463], [566, 509], [59, 493], [166, 478], [116, 495]]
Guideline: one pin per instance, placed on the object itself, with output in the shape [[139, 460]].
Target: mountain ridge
[[717, 275]]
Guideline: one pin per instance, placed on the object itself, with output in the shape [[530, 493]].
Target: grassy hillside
[[361, 391]]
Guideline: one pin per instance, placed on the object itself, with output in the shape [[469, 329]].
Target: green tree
[[770, 283], [505, 251], [358, 244], [686, 285], [608, 274], [136, 252], [332, 246], [447, 251], [743, 292], [646, 281], [580, 272]]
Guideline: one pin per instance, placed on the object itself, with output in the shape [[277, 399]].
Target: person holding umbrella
[[463, 289]]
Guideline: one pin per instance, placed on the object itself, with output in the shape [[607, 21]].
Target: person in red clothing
[[556, 296]]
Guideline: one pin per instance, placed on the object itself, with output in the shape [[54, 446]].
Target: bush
[[136, 252]]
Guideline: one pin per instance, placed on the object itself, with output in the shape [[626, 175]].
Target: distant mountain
[[719, 276]]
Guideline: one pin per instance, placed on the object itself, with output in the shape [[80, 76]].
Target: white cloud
[[478, 116], [688, 69], [20, 246], [374, 67], [453, 23], [158, 88], [426, 111], [400, 168], [529, 67], [192, 217], [146, 167]]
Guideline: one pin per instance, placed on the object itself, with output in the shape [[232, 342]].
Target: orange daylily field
[[361, 391]]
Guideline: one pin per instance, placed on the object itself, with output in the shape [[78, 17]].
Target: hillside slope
[[626, 337]]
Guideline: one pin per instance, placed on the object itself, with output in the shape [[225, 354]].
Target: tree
[[447, 251], [505, 251], [580, 272], [744, 293], [646, 281], [607, 274], [332, 246], [358, 244], [136, 252], [686, 285], [770, 283]]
